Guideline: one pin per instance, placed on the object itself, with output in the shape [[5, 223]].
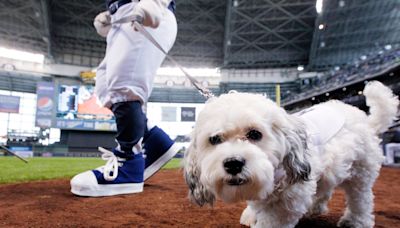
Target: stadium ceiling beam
[[213, 28], [201, 32], [253, 43], [21, 26], [274, 31], [296, 17], [271, 31], [6, 11], [80, 18], [46, 19], [360, 28], [17, 15]]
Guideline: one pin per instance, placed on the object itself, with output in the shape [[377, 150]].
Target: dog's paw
[[248, 217], [356, 222], [318, 209], [345, 223]]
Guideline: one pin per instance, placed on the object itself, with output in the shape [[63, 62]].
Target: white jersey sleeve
[[151, 11]]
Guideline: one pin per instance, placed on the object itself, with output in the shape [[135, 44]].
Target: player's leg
[[123, 172], [159, 148]]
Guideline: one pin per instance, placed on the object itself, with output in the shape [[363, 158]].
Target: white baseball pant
[[128, 69]]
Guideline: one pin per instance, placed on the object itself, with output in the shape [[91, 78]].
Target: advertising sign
[[188, 114], [45, 104], [78, 109], [9, 104], [168, 114], [22, 151]]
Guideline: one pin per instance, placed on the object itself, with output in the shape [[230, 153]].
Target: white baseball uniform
[[128, 69]]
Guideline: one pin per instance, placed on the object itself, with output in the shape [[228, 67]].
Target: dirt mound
[[164, 203]]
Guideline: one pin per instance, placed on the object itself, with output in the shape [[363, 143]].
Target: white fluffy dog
[[245, 147]]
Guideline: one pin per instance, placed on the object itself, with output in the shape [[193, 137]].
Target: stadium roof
[[257, 29], [214, 33]]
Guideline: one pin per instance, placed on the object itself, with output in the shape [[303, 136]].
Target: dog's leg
[[359, 198], [320, 205], [277, 216], [324, 193], [291, 205], [248, 217]]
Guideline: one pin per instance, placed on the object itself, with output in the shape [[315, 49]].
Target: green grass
[[173, 164], [13, 170]]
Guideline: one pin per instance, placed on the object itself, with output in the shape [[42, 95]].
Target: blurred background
[[296, 52]]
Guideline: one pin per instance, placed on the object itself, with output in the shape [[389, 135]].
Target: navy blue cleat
[[125, 173], [122, 174], [159, 148]]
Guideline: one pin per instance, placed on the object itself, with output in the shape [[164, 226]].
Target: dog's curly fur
[[283, 176]]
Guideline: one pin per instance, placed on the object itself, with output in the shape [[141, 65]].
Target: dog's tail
[[383, 105]]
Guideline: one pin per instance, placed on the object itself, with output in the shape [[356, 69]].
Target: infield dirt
[[163, 203]]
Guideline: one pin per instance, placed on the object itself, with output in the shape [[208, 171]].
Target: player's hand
[[149, 12], [102, 23]]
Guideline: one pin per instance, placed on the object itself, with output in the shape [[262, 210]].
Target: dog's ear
[[198, 193], [295, 160]]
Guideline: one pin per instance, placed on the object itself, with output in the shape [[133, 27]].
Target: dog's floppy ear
[[198, 193], [295, 161]]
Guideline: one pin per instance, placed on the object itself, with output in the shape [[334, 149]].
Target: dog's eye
[[214, 140], [254, 135]]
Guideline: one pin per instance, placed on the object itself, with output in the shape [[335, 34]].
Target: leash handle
[[203, 91]]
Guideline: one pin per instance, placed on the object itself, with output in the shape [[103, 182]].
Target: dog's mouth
[[235, 181]]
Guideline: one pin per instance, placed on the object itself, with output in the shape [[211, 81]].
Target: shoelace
[[110, 169]]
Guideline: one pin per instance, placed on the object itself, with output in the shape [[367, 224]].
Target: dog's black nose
[[234, 165]]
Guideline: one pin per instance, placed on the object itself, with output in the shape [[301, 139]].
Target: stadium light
[[21, 55], [318, 6], [300, 68]]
